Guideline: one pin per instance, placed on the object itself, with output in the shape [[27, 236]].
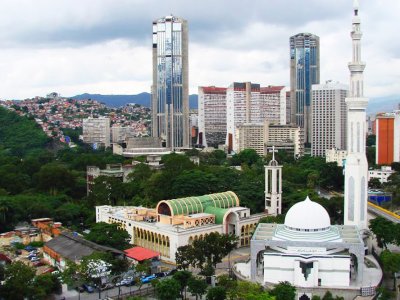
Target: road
[[74, 295], [378, 212]]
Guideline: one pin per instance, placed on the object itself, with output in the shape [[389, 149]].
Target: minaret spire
[[356, 169]]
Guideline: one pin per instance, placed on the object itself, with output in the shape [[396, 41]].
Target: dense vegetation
[[37, 181]]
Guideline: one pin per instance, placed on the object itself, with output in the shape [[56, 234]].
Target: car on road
[[106, 286], [161, 274], [88, 288], [147, 279], [126, 281]]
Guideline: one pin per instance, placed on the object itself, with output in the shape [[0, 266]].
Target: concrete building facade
[[212, 116], [382, 174], [251, 104], [335, 155], [329, 117], [96, 131], [263, 136], [170, 89]]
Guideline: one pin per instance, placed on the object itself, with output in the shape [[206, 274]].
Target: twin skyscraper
[[170, 91]]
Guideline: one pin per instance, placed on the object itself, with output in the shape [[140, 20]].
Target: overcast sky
[[104, 46]]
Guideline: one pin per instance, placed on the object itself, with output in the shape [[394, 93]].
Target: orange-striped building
[[387, 130]]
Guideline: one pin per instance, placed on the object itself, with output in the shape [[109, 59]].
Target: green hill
[[20, 135]]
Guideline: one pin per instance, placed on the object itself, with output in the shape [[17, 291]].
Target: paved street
[[74, 295]]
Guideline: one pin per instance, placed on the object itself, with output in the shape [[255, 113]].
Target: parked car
[[88, 288], [126, 281], [18, 252], [30, 248], [80, 289], [161, 274], [31, 254], [106, 286], [171, 272], [35, 258], [147, 279], [38, 264]]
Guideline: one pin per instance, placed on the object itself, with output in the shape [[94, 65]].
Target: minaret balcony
[[356, 66]]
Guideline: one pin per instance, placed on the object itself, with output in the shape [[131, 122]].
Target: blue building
[[170, 93], [304, 72]]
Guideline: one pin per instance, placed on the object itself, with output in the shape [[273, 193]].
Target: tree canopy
[[110, 235]]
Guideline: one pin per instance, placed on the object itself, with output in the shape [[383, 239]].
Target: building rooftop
[[74, 247]]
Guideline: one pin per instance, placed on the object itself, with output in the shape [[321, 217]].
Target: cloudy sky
[[104, 46]]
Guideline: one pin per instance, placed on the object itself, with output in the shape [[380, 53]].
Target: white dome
[[307, 215]]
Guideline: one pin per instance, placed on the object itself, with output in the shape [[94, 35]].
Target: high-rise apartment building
[[170, 89], [212, 116], [96, 131], [329, 117], [304, 72], [249, 103], [387, 129]]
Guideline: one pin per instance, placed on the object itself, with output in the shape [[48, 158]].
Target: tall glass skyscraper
[[304, 72], [170, 92]]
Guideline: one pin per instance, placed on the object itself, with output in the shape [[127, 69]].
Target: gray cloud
[[75, 46]]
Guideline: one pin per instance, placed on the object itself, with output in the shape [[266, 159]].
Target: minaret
[[273, 187], [356, 169]]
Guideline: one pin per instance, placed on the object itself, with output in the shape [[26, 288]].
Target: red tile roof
[[5, 258], [140, 253]]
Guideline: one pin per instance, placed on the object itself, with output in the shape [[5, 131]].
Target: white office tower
[[356, 169], [329, 117], [273, 187]]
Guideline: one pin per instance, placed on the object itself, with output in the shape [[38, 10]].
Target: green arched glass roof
[[218, 212], [193, 205]]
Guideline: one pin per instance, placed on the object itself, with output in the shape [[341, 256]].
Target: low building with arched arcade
[[177, 222]]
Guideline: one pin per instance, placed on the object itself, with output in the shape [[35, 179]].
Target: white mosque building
[[307, 250]]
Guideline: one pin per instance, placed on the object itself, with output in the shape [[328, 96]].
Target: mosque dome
[[307, 216]]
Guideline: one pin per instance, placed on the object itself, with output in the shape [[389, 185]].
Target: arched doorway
[[304, 297]]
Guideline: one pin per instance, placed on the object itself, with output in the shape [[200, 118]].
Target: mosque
[[307, 250]]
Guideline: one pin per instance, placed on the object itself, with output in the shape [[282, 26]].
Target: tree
[[18, 281], [384, 231], [45, 285], [207, 252], [391, 263], [328, 296], [197, 286], [54, 178], [245, 290], [216, 293], [246, 156], [374, 183], [110, 235], [185, 256], [284, 291], [182, 277], [167, 289]]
